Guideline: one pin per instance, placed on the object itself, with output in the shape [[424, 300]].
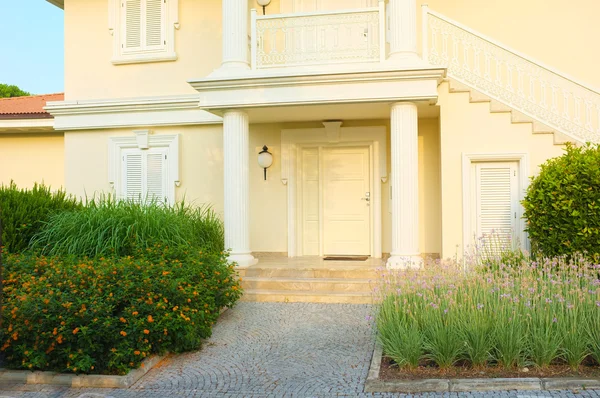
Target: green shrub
[[24, 211], [105, 315], [107, 227], [562, 205]]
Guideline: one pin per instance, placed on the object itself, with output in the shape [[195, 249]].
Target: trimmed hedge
[[105, 315], [24, 211], [562, 205]]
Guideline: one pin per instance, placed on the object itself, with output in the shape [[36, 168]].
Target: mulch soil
[[389, 371]]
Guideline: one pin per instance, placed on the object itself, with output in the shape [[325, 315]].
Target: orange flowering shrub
[[105, 315]]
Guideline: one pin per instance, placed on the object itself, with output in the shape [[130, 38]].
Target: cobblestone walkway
[[268, 350]]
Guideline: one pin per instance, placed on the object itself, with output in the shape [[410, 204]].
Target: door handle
[[367, 199]]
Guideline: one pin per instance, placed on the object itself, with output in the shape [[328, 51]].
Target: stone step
[[287, 296], [320, 273], [309, 284]]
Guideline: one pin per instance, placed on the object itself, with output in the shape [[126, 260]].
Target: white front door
[[346, 201]]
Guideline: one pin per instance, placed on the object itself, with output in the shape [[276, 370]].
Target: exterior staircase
[[335, 284], [516, 116]]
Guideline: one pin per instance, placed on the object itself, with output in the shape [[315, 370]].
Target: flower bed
[[105, 315], [530, 313]]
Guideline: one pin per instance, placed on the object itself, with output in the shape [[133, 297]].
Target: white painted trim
[[129, 112], [317, 13], [171, 23], [467, 160], [23, 125], [116, 144], [292, 140]]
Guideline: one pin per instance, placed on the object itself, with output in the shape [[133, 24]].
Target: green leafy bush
[[107, 227], [105, 315], [24, 211], [562, 205]]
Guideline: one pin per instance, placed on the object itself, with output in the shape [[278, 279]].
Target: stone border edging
[[374, 384], [79, 381]]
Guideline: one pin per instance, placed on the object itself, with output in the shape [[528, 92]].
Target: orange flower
[[75, 331], [55, 332], [15, 335], [134, 313], [122, 319], [123, 333], [146, 331], [136, 352], [113, 349], [150, 319]]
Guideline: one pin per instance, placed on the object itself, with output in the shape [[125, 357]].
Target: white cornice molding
[[26, 125], [129, 112], [265, 90]]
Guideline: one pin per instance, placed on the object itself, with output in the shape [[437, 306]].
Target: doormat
[[346, 258]]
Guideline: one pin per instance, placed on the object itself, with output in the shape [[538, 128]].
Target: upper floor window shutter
[[143, 26], [155, 11]]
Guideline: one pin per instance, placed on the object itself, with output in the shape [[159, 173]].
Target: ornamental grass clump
[[109, 227], [105, 315], [525, 312]]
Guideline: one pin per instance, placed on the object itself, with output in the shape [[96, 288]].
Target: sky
[[32, 45]]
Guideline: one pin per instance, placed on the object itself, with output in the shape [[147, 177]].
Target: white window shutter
[[155, 21], [156, 175], [132, 173], [497, 200], [132, 25]]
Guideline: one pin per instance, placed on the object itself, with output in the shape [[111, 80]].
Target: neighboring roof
[[30, 107], [58, 3]]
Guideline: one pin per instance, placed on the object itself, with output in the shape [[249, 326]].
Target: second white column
[[236, 131], [405, 187]]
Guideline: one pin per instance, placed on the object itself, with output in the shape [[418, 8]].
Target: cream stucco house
[[395, 127]]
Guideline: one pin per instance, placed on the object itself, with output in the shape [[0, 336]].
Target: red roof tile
[[31, 107]]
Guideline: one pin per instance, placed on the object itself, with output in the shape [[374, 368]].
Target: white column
[[403, 30], [236, 131], [405, 187], [235, 34]]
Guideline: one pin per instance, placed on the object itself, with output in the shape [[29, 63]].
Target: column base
[[242, 260], [404, 262]]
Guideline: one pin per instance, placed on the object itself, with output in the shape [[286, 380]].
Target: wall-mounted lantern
[[263, 4], [265, 159]]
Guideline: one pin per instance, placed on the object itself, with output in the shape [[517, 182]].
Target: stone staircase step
[[499, 107], [309, 284], [285, 296], [284, 272]]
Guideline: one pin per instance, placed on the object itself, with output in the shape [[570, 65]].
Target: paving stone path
[[269, 350]]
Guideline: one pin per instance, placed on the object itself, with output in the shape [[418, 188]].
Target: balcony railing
[[317, 38]]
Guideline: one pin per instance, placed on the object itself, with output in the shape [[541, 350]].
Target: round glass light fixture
[[265, 159], [263, 4]]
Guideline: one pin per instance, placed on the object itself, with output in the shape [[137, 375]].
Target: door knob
[[367, 199]]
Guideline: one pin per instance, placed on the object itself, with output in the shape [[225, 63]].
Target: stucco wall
[[201, 172], [31, 158], [471, 128], [553, 31]]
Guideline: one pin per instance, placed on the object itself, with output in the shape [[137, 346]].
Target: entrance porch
[[311, 279]]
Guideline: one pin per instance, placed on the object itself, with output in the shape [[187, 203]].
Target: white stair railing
[[317, 38], [503, 74]]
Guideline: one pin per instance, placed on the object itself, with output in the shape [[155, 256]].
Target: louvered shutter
[[154, 29], [132, 173], [132, 25], [496, 194], [156, 173]]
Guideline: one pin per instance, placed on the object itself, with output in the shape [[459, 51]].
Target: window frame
[[117, 30], [143, 140]]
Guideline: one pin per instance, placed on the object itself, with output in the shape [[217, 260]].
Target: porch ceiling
[[310, 113]]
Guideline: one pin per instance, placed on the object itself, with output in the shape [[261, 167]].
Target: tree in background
[[9, 91]]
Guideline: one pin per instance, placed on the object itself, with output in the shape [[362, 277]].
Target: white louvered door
[[495, 201], [144, 175], [143, 26]]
